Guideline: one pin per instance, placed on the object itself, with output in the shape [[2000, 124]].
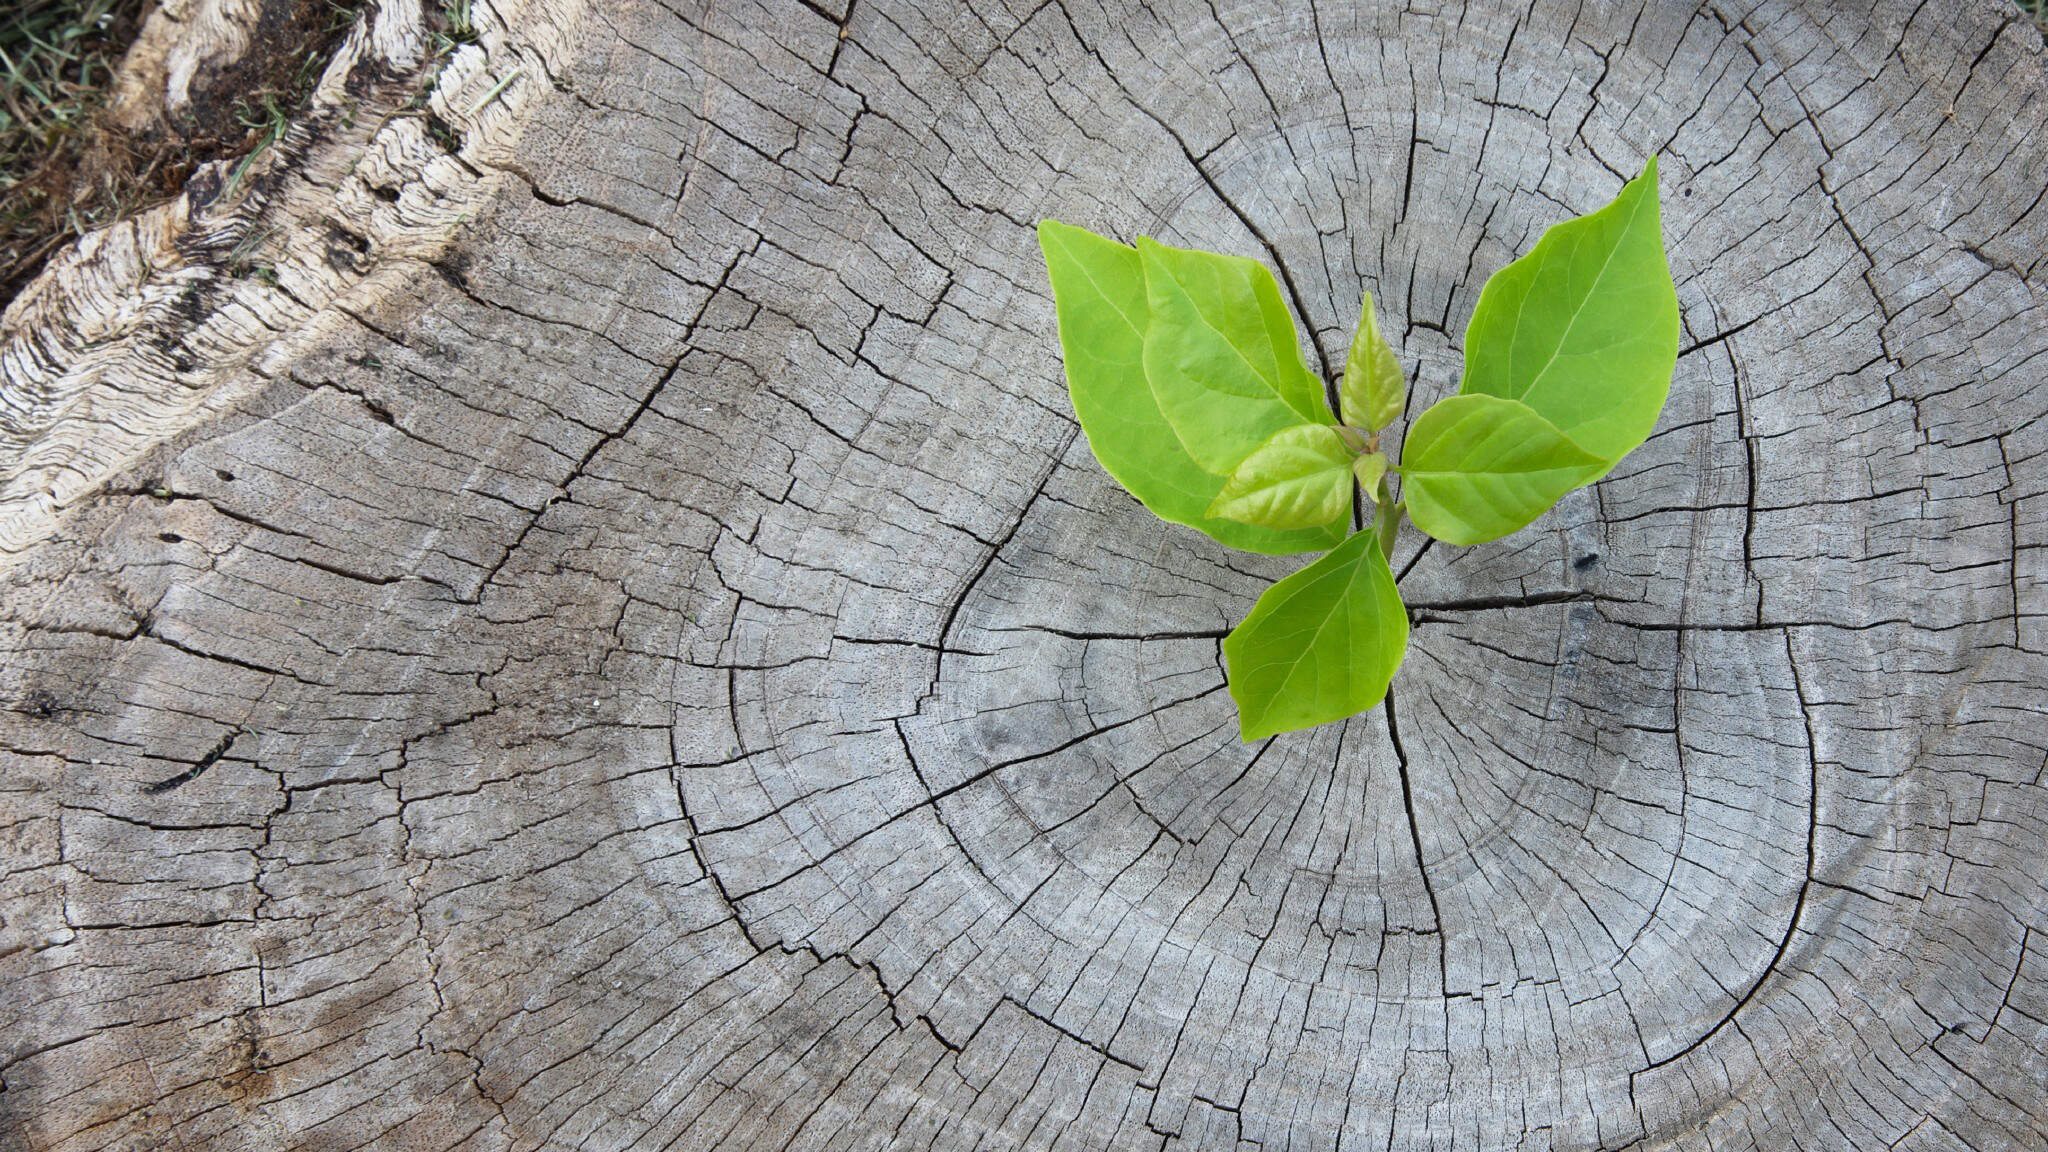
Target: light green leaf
[[1299, 478], [1319, 645], [1221, 354], [1370, 469], [1099, 293], [1476, 468], [1584, 329], [1373, 391]]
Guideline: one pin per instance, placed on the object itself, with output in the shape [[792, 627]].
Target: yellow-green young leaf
[[1320, 645], [1373, 391], [1299, 478], [1584, 329], [1476, 468], [1221, 355], [1099, 292], [1370, 469]]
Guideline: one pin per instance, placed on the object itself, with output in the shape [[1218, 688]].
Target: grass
[[56, 59], [455, 27]]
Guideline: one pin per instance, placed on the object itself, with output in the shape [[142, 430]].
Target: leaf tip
[[1646, 185], [1049, 232], [1250, 731]]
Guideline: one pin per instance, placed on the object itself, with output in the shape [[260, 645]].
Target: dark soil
[[64, 168]]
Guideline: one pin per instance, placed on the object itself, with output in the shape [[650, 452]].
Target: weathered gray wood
[[668, 674]]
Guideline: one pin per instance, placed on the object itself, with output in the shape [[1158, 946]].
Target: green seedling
[[1187, 375]]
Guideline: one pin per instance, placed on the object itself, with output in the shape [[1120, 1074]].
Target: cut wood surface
[[631, 650]]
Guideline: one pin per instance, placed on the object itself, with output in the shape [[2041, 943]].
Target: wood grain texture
[[667, 674]]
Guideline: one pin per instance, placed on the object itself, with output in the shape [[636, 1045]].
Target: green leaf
[[1319, 645], [1221, 354], [1584, 329], [1099, 293], [1370, 469], [1299, 478], [1373, 391], [1476, 468]]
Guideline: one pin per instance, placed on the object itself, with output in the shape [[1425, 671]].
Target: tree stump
[[653, 664]]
